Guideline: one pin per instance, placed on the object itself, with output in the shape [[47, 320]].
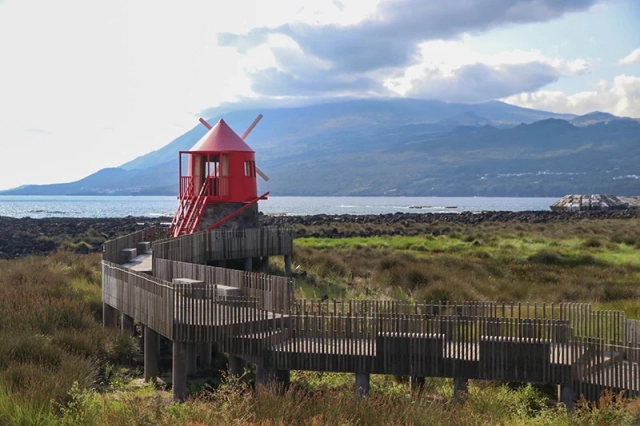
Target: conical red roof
[[221, 138]]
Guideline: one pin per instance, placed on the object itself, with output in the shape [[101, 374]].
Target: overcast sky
[[88, 84]]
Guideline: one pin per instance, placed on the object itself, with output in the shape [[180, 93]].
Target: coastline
[[28, 236]]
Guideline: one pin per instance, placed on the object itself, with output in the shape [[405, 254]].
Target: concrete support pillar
[[179, 371], [191, 359], [265, 263], [206, 353], [362, 384], [126, 324], [417, 384], [567, 396], [109, 316], [236, 365], [248, 264], [287, 264], [150, 353], [460, 387]]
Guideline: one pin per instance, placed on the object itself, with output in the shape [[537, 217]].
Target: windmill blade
[[255, 122], [261, 174], [244, 136], [205, 124]]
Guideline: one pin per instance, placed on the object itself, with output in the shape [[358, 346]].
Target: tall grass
[[586, 261], [49, 335], [235, 403]]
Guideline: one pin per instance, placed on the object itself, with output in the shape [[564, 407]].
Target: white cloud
[[631, 58], [450, 70], [620, 97]]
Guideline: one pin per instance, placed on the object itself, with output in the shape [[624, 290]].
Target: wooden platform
[[569, 344]]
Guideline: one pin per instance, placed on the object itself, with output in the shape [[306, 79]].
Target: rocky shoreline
[[469, 218], [27, 236]]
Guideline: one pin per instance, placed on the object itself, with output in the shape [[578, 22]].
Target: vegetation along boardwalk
[[189, 292]]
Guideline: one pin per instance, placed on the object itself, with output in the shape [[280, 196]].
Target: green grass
[[582, 261], [49, 328]]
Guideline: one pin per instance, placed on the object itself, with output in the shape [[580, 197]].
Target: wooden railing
[[568, 344], [272, 292], [589, 350], [202, 246], [112, 249], [145, 298]]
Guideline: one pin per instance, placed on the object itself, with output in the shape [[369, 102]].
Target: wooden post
[[248, 264], [362, 384], [567, 396], [417, 384], [126, 324], [283, 380], [206, 353], [287, 264], [109, 316], [179, 371], [236, 366], [265, 263], [460, 387], [191, 359], [264, 376], [150, 353]]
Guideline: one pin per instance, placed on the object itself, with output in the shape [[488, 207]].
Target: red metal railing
[[186, 197], [193, 213]]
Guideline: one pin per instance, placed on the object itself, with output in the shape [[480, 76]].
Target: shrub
[[546, 257], [592, 242]]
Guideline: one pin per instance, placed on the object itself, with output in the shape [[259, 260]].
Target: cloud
[[620, 97], [389, 50], [389, 36], [631, 58], [449, 70], [480, 82]]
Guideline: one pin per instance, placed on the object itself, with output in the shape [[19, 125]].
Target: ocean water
[[154, 206]]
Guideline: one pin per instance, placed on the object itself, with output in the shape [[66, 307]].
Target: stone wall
[[214, 212]]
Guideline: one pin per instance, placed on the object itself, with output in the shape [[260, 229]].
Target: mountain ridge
[[405, 147]]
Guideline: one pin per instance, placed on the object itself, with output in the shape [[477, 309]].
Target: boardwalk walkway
[[254, 316]]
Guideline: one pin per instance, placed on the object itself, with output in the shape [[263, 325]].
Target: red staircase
[[190, 211]]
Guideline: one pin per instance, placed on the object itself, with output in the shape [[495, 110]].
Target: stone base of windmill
[[214, 212]]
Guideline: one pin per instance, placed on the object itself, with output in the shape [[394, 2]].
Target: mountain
[[406, 147], [283, 127], [466, 118], [112, 181], [596, 117]]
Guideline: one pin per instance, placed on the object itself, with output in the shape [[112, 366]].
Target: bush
[[546, 257], [592, 242]]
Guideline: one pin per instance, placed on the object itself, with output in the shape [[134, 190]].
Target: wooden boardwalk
[[188, 301]]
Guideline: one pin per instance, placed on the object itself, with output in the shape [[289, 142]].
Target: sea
[[155, 206]]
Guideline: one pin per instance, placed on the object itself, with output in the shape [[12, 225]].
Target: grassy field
[[581, 261], [59, 367]]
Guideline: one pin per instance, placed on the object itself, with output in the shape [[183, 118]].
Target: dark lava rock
[[27, 236]]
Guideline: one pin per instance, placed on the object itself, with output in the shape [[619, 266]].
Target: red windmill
[[220, 184]]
